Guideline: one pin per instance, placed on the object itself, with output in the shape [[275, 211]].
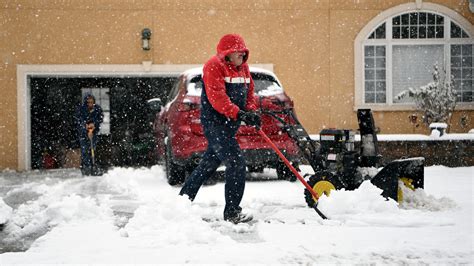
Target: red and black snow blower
[[338, 165]]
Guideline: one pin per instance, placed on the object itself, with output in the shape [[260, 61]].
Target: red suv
[[179, 136]]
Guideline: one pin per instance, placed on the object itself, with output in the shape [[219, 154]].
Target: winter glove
[[250, 119]]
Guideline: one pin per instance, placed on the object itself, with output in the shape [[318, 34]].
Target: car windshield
[[265, 85]]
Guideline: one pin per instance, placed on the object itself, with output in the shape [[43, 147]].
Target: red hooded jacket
[[217, 71]]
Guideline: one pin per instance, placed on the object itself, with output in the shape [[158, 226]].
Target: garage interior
[[126, 137]]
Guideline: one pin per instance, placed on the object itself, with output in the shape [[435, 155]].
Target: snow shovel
[[295, 172], [90, 136]]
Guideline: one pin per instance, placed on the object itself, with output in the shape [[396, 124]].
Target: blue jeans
[[223, 148]]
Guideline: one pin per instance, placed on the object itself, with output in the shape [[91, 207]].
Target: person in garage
[[227, 100], [88, 119]]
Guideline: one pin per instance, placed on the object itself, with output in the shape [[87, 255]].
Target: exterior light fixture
[[146, 36]]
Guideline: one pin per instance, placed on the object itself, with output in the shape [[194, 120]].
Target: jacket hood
[[84, 100], [231, 43]]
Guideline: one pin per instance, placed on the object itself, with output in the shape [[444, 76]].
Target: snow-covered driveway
[[133, 216]]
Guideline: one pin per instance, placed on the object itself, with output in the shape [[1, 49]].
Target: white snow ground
[[133, 216]]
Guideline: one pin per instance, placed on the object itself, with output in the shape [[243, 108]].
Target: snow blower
[[338, 165]]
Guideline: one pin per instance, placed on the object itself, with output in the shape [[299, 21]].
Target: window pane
[[455, 31], [380, 32], [380, 62], [467, 85], [413, 32], [380, 97], [380, 86], [431, 31], [369, 86], [466, 49], [456, 72], [405, 20], [396, 20], [369, 74], [422, 19], [422, 32], [467, 61], [380, 51], [467, 96], [419, 71], [396, 33], [370, 62], [369, 97], [380, 74], [369, 51], [431, 19], [439, 20], [405, 32], [456, 61], [455, 50], [414, 18], [466, 73], [439, 32]]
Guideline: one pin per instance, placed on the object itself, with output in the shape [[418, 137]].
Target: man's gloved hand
[[250, 119]]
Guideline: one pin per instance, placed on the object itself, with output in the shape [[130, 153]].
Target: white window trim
[[386, 16]]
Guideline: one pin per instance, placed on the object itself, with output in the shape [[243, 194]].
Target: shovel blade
[[387, 179]]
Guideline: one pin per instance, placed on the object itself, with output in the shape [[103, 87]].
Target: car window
[[173, 92], [265, 85], [195, 86]]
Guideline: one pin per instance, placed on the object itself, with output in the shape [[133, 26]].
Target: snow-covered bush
[[436, 100]]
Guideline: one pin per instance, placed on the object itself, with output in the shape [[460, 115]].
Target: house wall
[[309, 42]]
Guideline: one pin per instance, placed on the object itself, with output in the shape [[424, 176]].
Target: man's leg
[[206, 168], [234, 161], [85, 156]]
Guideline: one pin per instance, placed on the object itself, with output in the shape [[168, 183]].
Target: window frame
[[362, 40]]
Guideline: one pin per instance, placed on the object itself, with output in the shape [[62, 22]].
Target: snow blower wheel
[[322, 183]]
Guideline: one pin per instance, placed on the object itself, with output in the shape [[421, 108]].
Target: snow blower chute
[[338, 165]]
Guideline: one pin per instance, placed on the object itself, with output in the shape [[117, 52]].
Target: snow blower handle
[[295, 172]]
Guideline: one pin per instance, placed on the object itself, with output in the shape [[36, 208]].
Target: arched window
[[400, 51]]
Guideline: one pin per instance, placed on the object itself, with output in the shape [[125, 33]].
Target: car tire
[[284, 173], [174, 172]]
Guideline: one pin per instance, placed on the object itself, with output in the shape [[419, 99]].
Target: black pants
[[222, 148]]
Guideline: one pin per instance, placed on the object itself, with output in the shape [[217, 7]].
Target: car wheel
[[174, 172], [284, 173]]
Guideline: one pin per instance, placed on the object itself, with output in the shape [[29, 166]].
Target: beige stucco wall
[[309, 42]]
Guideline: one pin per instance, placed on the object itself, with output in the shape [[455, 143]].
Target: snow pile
[[5, 212], [358, 205], [53, 206], [418, 199]]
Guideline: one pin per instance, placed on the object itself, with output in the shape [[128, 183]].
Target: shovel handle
[[295, 172]]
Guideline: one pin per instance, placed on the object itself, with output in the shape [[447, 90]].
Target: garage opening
[[126, 136]]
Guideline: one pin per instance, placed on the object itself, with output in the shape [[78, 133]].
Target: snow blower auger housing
[[338, 165]]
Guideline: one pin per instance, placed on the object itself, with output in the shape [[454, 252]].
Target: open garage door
[[126, 137]]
